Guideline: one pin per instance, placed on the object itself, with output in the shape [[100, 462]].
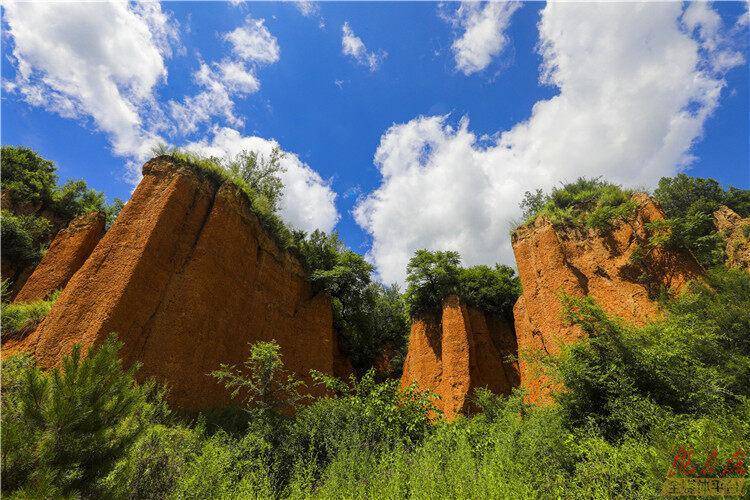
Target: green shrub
[[360, 416], [689, 204], [696, 361], [254, 177], [433, 276], [29, 178], [590, 203], [63, 430], [23, 237], [20, 316], [263, 385], [370, 318]]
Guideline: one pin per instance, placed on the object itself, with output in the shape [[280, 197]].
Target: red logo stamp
[[709, 477]]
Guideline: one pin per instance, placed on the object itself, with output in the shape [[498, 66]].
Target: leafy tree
[[369, 317], [63, 430], [494, 290], [689, 204], [433, 276], [23, 237], [261, 174], [29, 178], [695, 361], [263, 384]]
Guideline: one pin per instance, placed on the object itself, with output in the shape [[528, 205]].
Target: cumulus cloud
[[353, 46], [99, 60], [483, 35], [253, 42], [308, 202], [636, 85]]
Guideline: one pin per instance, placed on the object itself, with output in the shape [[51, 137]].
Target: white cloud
[[635, 89], [98, 60], [308, 202], [221, 81], [253, 42], [483, 33], [353, 46], [307, 7]]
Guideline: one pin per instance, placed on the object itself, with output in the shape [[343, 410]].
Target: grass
[[20, 316], [585, 203]]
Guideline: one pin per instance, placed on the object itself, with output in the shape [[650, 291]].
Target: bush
[[590, 203], [63, 430], [433, 276], [23, 237], [689, 204], [22, 316], [696, 361], [370, 318], [26, 176], [263, 384]]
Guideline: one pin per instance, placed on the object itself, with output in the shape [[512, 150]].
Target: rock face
[[187, 278], [458, 351], [736, 231], [555, 261], [66, 254]]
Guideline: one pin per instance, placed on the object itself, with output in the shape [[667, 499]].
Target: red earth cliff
[[187, 278], [457, 351], [553, 261], [736, 232], [66, 254]]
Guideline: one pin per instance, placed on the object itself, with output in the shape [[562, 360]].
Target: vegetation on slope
[[590, 203], [370, 318], [433, 276], [35, 205], [634, 396], [689, 204], [24, 316]]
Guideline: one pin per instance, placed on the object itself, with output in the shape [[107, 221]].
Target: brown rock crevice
[[188, 278], [458, 350], [555, 261]]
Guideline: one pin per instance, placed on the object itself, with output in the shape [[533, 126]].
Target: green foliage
[[63, 430], [260, 174], [38, 205], [360, 415], [633, 395], [29, 178], [689, 204], [253, 175], [370, 317], [695, 361], [430, 278], [590, 203], [263, 384], [23, 237], [433, 276], [22, 316]]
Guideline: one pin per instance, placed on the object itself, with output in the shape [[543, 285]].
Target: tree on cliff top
[[36, 207], [433, 276], [371, 318], [689, 204], [591, 203]]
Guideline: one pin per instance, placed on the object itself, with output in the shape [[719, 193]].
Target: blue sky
[[407, 125]]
